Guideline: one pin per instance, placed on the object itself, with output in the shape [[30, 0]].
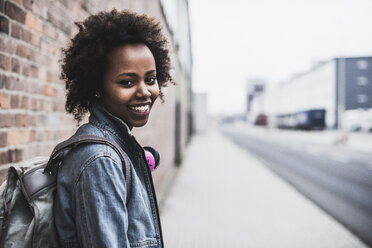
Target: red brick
[[16, 30], [24, 102], [6, 120], [11, 156], [36, 104], [28, 4], [24, 137], [14, 12], [3, 171], [43, 44], [3, 139], [24, 51], [14, 101], [33, 22], [40, 8], [18, 155], [4, 62], [35, 40], [48, 135], [7, 45], [52, 50], [60, 93], [33, 103], [53, 64], [41, 104], [13, 83], [13, 137], [47, 106], [34, 71], [32, 136], [15, 65], [4, 25], [49, 91], [26, 70], [39, 120], [22, 120], [41, 58], [4, 157], [52, 77], [26, 35], [40, 136], [34, 88], [51, 17], [58, 107], [48, 31], [4, 101]]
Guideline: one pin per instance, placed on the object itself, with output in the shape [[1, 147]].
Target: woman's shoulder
[[86, 153]]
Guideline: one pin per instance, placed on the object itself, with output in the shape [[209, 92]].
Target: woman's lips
[[140, 109]]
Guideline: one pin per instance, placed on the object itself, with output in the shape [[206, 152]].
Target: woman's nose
[[143, 90]]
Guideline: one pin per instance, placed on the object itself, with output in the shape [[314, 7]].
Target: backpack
[[26, 197]]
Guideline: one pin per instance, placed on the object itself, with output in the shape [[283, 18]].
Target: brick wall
[[32, 97]]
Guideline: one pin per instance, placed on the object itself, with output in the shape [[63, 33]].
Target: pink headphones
[[152, 157]]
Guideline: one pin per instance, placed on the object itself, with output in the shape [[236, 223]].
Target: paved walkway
[[223, 197]]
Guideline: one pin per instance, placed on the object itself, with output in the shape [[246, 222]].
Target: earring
[[97, 95]]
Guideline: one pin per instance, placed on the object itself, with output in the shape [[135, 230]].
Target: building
[[32, 114], [335, 87]]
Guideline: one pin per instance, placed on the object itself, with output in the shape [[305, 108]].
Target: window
[[362, 64], [362, 81], [362, 98]]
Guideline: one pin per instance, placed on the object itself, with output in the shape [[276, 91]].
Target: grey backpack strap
[[62, 148]]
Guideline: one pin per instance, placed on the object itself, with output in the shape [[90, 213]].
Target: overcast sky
[[236, 40]]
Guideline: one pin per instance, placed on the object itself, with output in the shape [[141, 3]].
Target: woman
[[114, 68]]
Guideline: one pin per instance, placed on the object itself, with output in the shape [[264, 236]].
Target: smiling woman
[[114, 69]]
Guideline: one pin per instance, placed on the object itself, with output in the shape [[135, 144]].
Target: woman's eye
[[126, 83], [151, 80]]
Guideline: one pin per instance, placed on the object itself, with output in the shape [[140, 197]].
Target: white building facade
[[337, 86]]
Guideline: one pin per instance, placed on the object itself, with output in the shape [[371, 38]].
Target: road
[[336, 178]]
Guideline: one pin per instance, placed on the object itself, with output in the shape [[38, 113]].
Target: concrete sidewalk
[[223, 197]]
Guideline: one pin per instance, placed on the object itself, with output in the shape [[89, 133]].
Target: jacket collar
[[100, 117]]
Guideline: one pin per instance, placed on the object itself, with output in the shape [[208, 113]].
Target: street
[[336, 178]]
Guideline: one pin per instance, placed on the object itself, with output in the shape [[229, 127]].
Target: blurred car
[[261, 120]]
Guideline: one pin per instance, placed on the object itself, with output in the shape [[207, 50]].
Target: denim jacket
[[90, 204]]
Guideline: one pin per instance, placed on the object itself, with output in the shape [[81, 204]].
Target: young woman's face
[[129, 86]]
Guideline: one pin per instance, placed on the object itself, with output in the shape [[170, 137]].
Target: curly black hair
[[84, 62]]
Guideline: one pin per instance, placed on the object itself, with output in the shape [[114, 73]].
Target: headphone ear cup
[[150, 160], [152, 157]]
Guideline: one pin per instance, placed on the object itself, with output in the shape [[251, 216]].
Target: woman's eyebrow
[[131, 74], [150, 72]]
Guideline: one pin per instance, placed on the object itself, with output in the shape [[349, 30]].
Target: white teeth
[[141, 109]]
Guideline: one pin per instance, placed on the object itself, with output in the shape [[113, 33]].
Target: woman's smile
[[140, 109]]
